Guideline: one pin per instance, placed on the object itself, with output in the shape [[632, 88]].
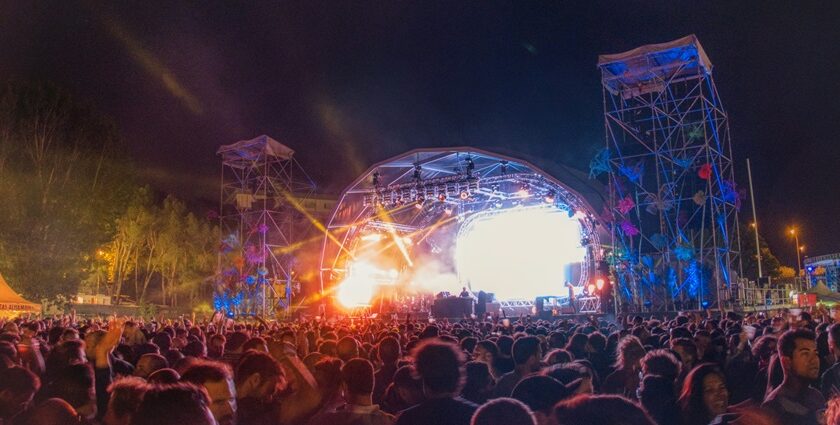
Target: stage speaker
[[481, 306]]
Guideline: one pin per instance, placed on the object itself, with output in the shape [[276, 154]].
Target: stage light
[[447, 211], [599, 284], [705, 304], [464, 195], [442, 197], [519, 253], [358, 288], [498, 204], [419, 205], [591, 289], [372, 237], [523, 191], [407, 240], [549, 198]]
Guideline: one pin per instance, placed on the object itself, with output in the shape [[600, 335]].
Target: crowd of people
[[692, 369]]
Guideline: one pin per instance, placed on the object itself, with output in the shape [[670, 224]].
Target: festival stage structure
[[432, 221], [668, 160], [262, 187]]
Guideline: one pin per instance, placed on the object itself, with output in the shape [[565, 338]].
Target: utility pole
[[755, 220]]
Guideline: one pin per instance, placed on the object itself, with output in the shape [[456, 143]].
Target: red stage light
[[599, 284]]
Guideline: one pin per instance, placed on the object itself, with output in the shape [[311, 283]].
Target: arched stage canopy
[[423, 202]]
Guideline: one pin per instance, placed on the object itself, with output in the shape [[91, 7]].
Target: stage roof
[[652, 63], [442, 162]]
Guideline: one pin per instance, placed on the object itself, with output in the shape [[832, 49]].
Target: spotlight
[[447, 211], [705, 304], [599, 284], [464, 194], [498, 204], [549, 198], [523, 191], [419, 205], [591, 289]]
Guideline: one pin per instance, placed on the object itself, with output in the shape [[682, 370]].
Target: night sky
[[350, 83]]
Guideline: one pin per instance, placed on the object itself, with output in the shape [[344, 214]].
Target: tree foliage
[[63, 180], [71, 214], [770, 265], [163, 250]]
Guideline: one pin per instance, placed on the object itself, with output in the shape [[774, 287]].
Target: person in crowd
[[17, 389], [600, 410], [503, 411], [233, 350], [76, 385], [794, 401], [216, 348], [832, 412], [686, 350], [504, 362], [389, 352], [479, 383], [541, 393], [763, 351], [579, 346], [527, 356], [659, 399], [357, 381], [573, 375], [406, 391], [487, 352], [176, 404], [704, 395], [126, 395], [440, 367], [149, 364], [217, 380], [625, 379], [662, 363], [257, 378], [830, 380], [54, 411], [164, 376]]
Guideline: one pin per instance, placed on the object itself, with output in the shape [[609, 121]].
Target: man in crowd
[[441, 368], [794, 401], [527, 355], [357, 386], [217, 380]]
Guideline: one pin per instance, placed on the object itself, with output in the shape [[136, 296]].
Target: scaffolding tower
[[261, 193], [673, 201]]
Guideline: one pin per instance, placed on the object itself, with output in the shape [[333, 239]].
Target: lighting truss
[[668, 157]]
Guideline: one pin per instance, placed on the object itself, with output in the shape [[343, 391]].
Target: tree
[[770, 265], [64, 180]]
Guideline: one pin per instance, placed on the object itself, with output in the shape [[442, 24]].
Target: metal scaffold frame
[[668, 158], [262, 186]]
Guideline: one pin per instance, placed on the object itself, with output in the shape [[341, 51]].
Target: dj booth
[[453, 307]]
